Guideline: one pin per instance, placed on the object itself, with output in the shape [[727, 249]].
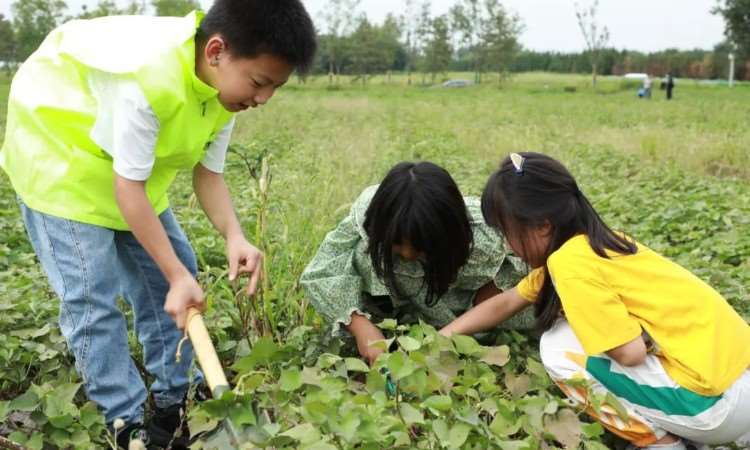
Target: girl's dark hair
[[544, 192], [282, 28], [419, 204]]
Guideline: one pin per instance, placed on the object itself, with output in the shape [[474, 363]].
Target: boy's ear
[[214, 49]]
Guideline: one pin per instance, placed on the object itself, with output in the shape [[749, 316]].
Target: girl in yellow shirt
[[616, 313]]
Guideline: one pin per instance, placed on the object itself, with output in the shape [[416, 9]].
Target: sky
[[645, 25]]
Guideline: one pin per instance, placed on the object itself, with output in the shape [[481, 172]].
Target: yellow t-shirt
[[704, 345]]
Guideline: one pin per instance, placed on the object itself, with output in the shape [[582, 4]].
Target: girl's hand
[[364, 339], [446, 331], [184, 292], [244, 258], [365, 333]]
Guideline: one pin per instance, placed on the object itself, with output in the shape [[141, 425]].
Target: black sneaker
[[133, 437], [168, 428]]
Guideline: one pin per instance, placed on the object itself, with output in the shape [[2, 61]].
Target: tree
[[109, 8], [32, 21], [388, 36], [438, 50], [369, 51], [339, 19], [7, 43], [596, 38], [174, 8], [500, 33], [489, 32], [466, 21], [412, 28], [736, 15]]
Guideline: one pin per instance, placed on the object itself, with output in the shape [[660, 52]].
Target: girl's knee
[[561, 352]]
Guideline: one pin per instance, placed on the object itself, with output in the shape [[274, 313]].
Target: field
[[673, 174]]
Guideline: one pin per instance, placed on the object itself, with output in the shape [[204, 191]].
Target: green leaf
[[536, 368], [400, 365], [496, 356], [594, 445], [319, 446], [200, 421], [263, 352], [502, 426], [517, 385], [466, 345], [36, 442], [410, 414], [18, 437], [514, 445], [62, 422], [592, 430], [356, 365], [90, 415], [612, 401], [326, 360], [565, 427], [441, 430], [304, 433], [290, 380], [241, 413], [409, 344], [26, 402], [458, 435], [388, 324], [4, 410], [438, 403], [67, 391], [347, 428], [272, 429], [382, 344]]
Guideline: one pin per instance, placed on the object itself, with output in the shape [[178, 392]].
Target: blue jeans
[[89, 267]]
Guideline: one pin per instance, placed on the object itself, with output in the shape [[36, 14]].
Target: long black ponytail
[[535, 190]]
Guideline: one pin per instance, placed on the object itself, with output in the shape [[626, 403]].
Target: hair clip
[[517, 161]]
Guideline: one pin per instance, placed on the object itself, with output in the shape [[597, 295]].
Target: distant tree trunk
[[594, 74]]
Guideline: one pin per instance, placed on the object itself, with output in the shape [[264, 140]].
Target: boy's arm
[[215, 199], [184, 290], [487, 314]]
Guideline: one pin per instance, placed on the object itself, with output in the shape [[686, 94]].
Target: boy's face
[[242, 82]]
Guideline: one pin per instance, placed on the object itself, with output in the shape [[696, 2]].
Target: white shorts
[[655, 403]]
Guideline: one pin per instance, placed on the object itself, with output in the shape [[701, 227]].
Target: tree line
[[477, 36]]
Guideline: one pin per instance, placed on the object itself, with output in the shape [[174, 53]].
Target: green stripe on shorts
[[671, 401]]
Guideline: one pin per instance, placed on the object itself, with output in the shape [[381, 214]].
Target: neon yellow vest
[[52, 162]]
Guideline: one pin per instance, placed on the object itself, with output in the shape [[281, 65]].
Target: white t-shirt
[[127, 128]]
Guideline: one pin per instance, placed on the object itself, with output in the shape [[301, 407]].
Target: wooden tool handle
[[206, 354]]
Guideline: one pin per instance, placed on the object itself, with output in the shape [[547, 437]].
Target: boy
[[100, 119]]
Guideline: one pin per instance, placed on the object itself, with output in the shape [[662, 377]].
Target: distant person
[[669, 84], [647, 82]]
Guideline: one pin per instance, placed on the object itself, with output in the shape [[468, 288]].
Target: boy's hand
[[243, 257], [184, 292]]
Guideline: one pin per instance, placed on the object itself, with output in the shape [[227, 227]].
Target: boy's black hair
[[544, 192], [419, 204], [250, 28]]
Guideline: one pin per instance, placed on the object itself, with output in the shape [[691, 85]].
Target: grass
[[675, 174]]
